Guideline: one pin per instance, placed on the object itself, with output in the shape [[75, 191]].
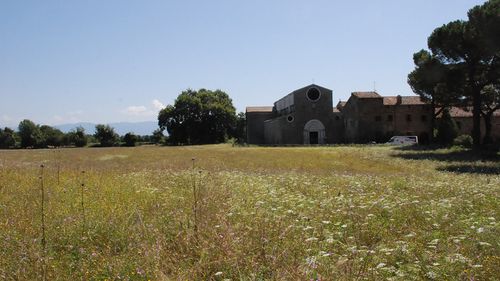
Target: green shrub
[[463, 140], [130, 139]]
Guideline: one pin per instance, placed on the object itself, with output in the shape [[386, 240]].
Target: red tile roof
[[364, 95], [405, 100], [259, 109], [459, 112]]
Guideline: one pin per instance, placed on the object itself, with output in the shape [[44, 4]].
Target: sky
[[117, 60]]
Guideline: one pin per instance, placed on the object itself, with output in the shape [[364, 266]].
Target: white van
[[402, 140]]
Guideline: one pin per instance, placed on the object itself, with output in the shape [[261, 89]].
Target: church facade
[[307, 116]]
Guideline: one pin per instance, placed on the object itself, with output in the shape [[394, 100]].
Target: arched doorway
[[314, 132]]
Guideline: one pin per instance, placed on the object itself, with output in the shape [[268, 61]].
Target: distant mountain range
[[138, 128]]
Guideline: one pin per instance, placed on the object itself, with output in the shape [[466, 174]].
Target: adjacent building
[[307, 116]]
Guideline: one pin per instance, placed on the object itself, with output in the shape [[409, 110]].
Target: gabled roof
[[366, 95], [312, 85], [405, 100], [259, 109]]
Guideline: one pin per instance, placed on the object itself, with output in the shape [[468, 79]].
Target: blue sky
[[108, 61]]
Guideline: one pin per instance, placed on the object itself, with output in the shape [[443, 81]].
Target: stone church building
[[307, 116]]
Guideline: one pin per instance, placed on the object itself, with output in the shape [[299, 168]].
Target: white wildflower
[[431, 275], [434, 242], [310, 239], [307, 228]]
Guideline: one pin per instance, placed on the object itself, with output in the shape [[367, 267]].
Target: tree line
[[462, 68], [197, 117], [31, 135]]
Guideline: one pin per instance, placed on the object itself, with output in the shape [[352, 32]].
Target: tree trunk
[[434, 119], [487, 123], [476, 118], [475, 92]]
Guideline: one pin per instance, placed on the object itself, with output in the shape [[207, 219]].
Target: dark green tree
[[52, 136], [106, 135], [130, 139], [199, 117], [239, 132], [77, 137], [447, 129], [157, 136], [435, 83], [30, 134], [473, 48], [7, 138]]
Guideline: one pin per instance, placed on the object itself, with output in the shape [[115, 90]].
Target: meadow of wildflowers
[[233, 213]]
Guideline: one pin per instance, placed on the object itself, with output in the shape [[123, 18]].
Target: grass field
[[233, 213]]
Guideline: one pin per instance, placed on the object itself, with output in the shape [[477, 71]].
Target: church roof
[[259, 109], [366, 95], [321, 88], [405, 100]]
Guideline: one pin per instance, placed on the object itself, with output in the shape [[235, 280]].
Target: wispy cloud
[[158, 105], [6, 118], [68, 117], [8, 121], [144, 111], [138, 110]]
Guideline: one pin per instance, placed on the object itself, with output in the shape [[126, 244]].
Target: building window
[[289, 118], [424, 118], [389, 118], [408, 117], [378, 118], [313, 94]]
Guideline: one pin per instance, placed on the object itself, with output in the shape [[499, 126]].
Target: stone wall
[[255, 126], [465, 125]]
